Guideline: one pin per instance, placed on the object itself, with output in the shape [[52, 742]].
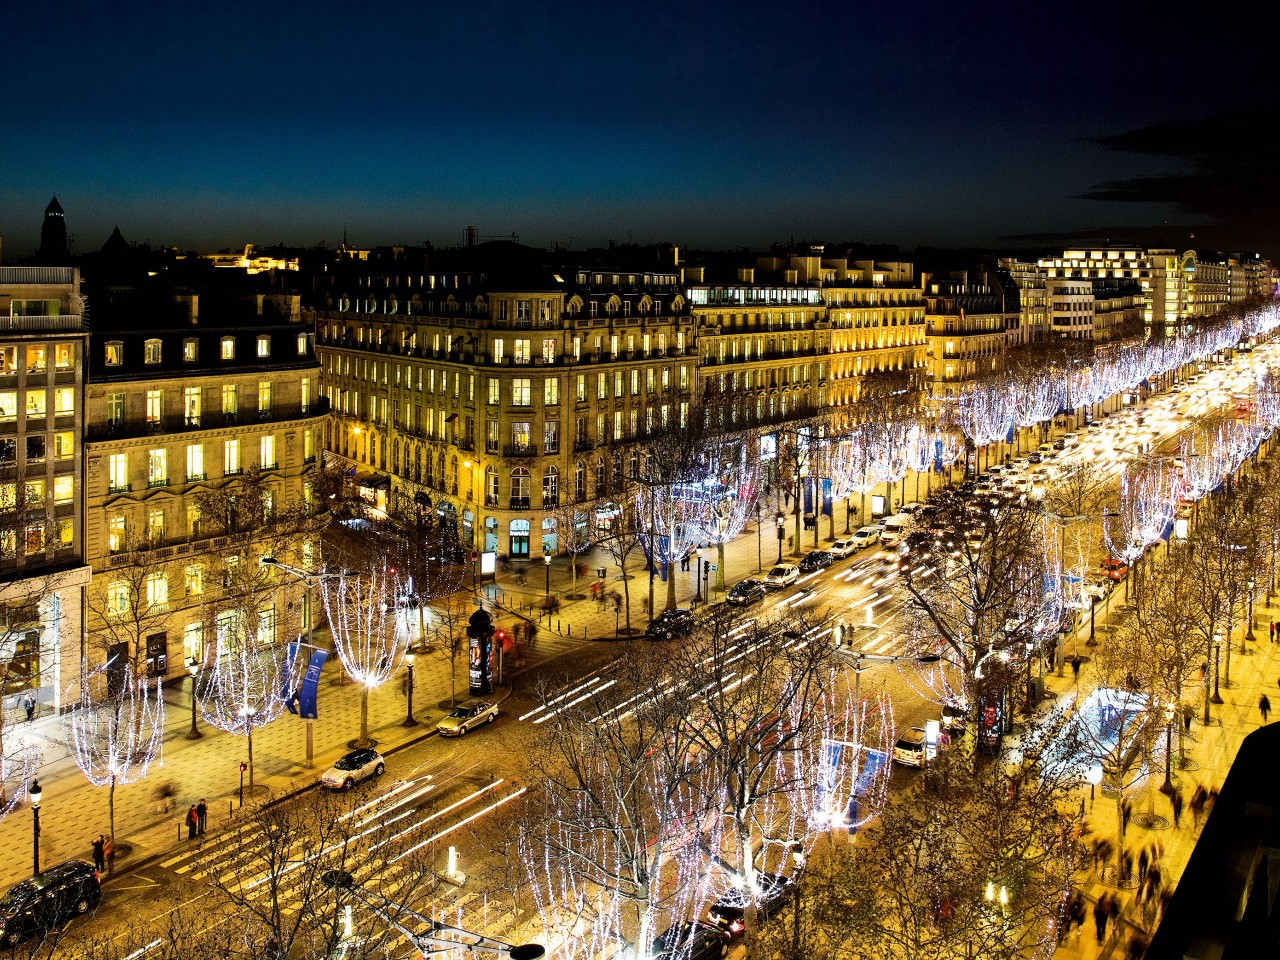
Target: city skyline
[[713, 126]]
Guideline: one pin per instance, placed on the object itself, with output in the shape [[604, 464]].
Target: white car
[[843, 547], [866, 536], [466, 717], [782, 575], [353, 768], [909, 750]]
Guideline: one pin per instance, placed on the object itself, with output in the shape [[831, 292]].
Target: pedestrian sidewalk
[[1211, 751], [73, 811]]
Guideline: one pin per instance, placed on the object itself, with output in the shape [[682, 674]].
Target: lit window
[[193, 575], [230, 400], [228, 348], [157, 467], [155, 406], [8, 405], [115, 353], [156, 591], [155, 525], [35, 403], [520, 390], [64, 400], [63, 356], [551, 391], [37, 359], [195, 462], [191, 405], [264, 346], [267, 452], [64, 489], [118, 464], [231, 457], [190, 350], [118, 598], [264, 397], [151, 351], [64, 445], [302, 344]]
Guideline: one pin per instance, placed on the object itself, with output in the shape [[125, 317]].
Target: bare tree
[[622, 536]]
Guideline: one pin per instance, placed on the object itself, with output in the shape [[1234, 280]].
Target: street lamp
[[782, 529], [193, 668], [308, 580], [546, 562], [1217, 664], [408, 690], [697, 576], [35, 794], [1094, 776], [1250, 635], [1167, 787]]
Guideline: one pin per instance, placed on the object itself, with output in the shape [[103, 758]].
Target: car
[[467, 716], [843, 547], [690, 940], [817, 560], [354, 767], [866, 536], [1060, 444], [1113, 568], [46, 901], [918, 541], [911, 508], [670, 624], [1034, 457], [782, 575], [746, 592], [894, 528], [953, 718], [909, 750], [729, 911]]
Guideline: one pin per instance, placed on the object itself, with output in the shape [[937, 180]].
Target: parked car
[[468, 716], [782, 575], [843, 547], [1113, 568], [817, 560], [775, 892], [746, 592], [865, 536], [690, 940], [669, 624], [893, 528], [354, 767], [48, 900], [909, 750]]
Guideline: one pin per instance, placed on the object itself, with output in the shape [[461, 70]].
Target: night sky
[[704, 124]]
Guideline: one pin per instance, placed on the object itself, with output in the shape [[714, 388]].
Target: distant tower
[[53, 236]]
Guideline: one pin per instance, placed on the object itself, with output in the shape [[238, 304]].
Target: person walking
[[1198, 798], [1126, 811], [1264, 707], [1075, 667], [1187, 713], [193, 821], [1143, 860], [1272, 629], [29, 704], [99, 858], [1175, 799], [1100, 915], [202, 816]]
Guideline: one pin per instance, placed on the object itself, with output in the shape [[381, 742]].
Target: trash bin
[[1035, 689]]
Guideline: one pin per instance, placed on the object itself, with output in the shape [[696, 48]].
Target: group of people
[[197, 817], [104, 853]]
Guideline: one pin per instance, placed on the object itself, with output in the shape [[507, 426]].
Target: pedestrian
[[1075, 666], [1198, 797], [99, 859], [193, 821], [1137, 946], [202, 816], [29, 704], [1264, 707], [1101, 914], [1187, 714], [1126, 811], [531, 635], [1113, 908], [1143, 860], [1272, 628], [1175, 799], [1101, 851], [109, 853], [1212, 800]]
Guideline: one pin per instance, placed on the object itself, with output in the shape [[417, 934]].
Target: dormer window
[[151, 351], [228, 348], [115, 353], [190, 350], [264, 346]]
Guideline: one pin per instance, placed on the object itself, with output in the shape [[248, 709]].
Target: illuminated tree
[[367, 635], [115, 726]]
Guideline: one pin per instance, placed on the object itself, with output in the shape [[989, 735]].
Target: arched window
[[490, 487], [520, 486], [551, 487]]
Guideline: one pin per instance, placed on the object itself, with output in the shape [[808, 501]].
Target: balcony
[[119, 487], [157, 482], [520, 452], [196, 477], [519, 503], [41, 324], [490, 501], [125, 428], [583, 445]]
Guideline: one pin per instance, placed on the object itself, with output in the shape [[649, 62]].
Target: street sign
[[713, 566]]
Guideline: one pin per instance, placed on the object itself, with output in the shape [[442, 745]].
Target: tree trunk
[[720, 566], [111, 819], [364, 713], [249, 738], [626, 593], [671, 585]]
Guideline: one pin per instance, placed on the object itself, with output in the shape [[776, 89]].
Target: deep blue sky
[[702, 123]]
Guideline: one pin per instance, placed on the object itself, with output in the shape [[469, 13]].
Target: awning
[[374, 481]]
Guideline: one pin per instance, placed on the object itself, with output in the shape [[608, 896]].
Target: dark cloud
[[1224, 174]]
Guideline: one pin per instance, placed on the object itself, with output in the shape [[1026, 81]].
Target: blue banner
[[937, 456], [310, 686], [826, 496]]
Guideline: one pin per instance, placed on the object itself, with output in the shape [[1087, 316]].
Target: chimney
[[472, 234]]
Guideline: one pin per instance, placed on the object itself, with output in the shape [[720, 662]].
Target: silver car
[[466, 717], [353, 768]]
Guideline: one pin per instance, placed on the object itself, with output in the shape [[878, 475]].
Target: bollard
[[231, 810], [179, 833]]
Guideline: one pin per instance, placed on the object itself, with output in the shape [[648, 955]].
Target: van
[[1046, 449], [48, 900], [894, 528]]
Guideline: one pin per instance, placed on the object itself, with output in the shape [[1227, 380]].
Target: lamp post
[[697, 576], [546, 562], [308, 580], [35, 793], [1094, 776], [759, 541], [1217, 663], [408, 690], [1167, 787], [1250, 635], [782, 529], [193, 668]]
